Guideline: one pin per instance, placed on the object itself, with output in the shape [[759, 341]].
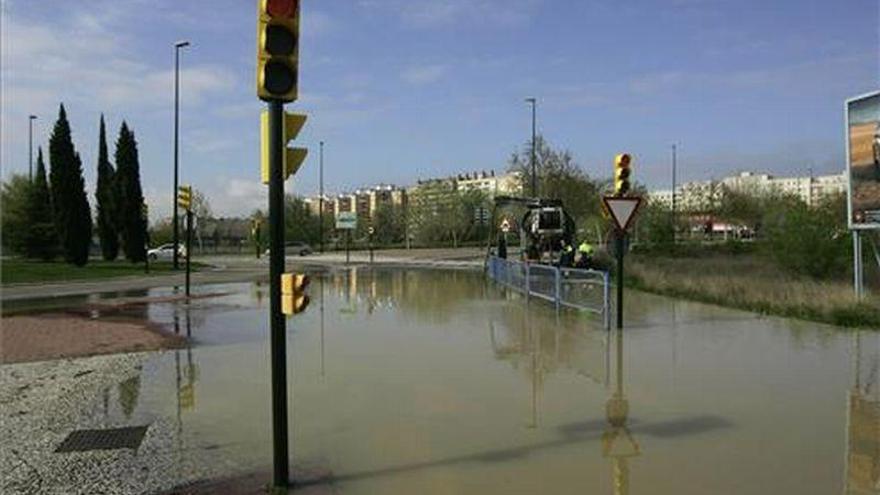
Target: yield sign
[[622, 210]]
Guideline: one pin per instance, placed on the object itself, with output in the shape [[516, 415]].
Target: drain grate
[[107, 439]]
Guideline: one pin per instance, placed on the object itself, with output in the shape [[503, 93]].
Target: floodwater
[[405, 382]]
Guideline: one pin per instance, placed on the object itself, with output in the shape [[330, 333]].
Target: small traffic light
[[277, 49], [294, 299], [622, 174], [184, 197], [293, 157]]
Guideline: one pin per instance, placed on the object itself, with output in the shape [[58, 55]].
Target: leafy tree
[[130, 197], [810, 241], [300, 224], [201, 209], [70, 205], [559, 177], [162, 232], [389, 223], [654, 226], [105, 197], [16, 202]]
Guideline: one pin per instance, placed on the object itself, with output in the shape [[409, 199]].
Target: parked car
[[296, 248], [165, 252]]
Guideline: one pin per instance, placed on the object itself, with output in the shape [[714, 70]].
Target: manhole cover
[[107, 439]]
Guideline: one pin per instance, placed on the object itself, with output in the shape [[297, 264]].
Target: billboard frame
[[849, 184]]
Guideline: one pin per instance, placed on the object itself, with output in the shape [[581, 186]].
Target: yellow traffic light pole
[[184, 200], [622, 173], [277, 84]]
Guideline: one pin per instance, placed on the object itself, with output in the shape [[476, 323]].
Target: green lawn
[[17, 271]]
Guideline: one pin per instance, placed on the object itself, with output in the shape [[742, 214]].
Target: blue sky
[[402, 89]]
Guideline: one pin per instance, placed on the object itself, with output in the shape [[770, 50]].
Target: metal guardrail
[[583, 289]]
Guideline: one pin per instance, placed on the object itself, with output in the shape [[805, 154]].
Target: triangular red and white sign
[[622, 210]]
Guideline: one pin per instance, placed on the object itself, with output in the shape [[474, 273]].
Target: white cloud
[[240, 197], [424, 74]]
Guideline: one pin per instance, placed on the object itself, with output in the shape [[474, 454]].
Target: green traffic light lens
[[279, 42], [278, 78]]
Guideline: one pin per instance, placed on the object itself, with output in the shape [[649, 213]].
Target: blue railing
[[583, 289]]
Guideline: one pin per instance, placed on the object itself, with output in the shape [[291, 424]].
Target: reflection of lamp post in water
[[321, 280], [535, 344], [617, 441]]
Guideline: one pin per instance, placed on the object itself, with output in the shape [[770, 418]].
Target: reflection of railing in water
[[587, 290]]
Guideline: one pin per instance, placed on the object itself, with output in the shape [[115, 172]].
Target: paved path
[[222, 270], [225, 269]]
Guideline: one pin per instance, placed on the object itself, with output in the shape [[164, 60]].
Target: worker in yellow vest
[[585, 254]]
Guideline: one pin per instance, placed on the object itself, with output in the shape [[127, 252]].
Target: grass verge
[[17, 271], [753, 284]]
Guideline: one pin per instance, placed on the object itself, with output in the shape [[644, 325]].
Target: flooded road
[[439, 382]]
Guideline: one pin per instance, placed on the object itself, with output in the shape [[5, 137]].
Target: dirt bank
[[67, 335]]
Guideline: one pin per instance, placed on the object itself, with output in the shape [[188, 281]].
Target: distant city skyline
[[402, 89]]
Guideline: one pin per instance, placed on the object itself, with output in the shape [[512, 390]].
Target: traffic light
[[184, 197], [277, 49], [622, 174], [293, 157], [294, 299]]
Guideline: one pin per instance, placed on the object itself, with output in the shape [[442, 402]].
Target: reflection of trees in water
[[129, 390], [427, 295], [521, 332]]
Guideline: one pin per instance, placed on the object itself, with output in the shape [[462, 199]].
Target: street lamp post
[[321, 196], [177, 47], [31, 119], [534, 102]]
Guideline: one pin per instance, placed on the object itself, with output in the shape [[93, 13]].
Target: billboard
[[863, 160]]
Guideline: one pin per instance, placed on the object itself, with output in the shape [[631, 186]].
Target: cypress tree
[[70, 205], [130, 197], [105, 195], [42, 241]]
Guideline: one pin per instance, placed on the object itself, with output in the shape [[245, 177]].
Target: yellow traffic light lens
[[279, 41], [278, 77]]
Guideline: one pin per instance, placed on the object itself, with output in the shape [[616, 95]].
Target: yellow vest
[[585, 248]]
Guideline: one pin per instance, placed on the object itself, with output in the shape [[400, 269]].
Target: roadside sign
[[346, 220], [505, 226], [863, 161], [622, 210], [371, 230]]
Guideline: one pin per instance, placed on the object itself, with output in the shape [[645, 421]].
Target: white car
[[165, 252]]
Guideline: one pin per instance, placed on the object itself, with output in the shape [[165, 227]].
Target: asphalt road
[[225, 269]]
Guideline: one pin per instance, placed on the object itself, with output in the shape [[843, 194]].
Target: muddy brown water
[[438, 382]]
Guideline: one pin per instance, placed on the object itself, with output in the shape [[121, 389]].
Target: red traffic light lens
[[280, 8]]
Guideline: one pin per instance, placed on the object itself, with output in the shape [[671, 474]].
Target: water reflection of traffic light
[[187, 374], [618, 443], [862, 465]]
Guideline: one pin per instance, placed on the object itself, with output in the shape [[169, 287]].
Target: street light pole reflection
[[617, 441]]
